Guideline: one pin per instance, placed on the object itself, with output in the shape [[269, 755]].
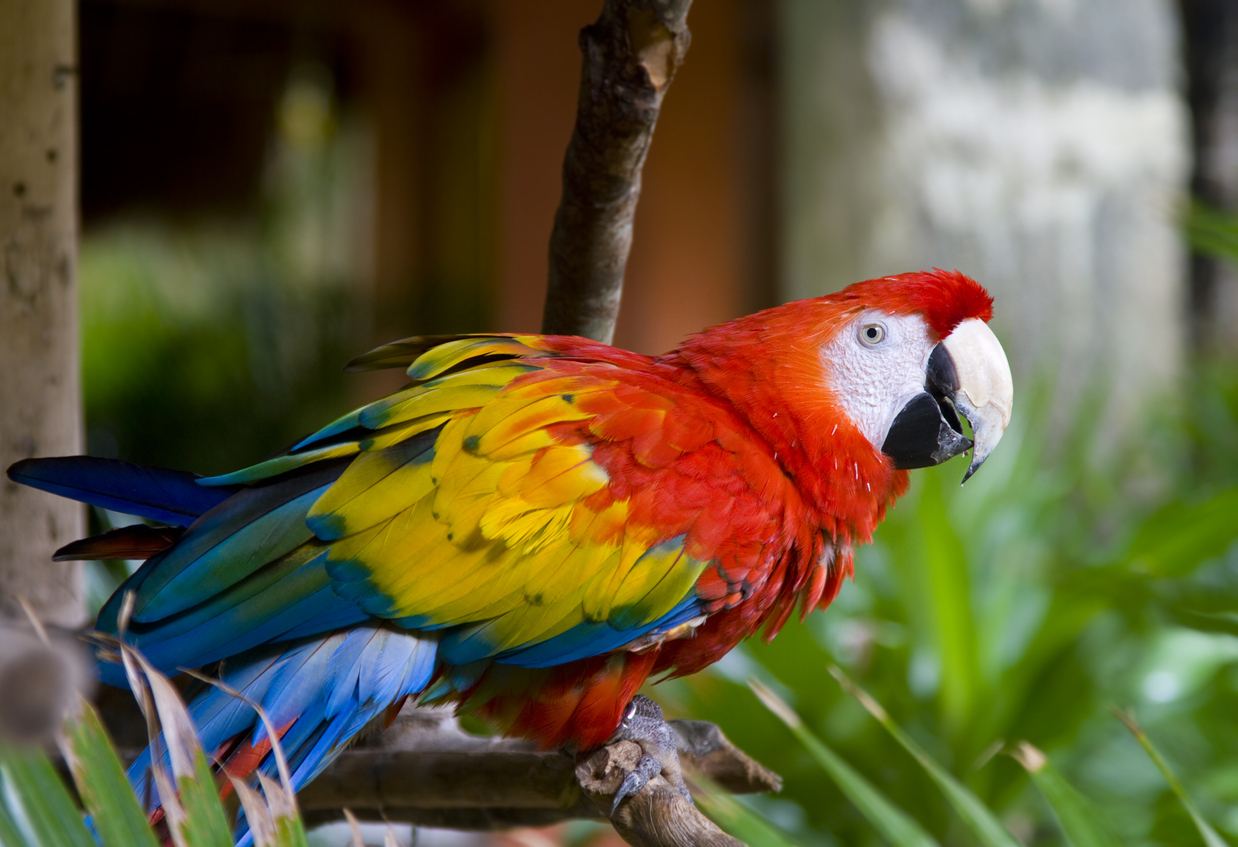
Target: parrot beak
[[966, 371], [983, 389]]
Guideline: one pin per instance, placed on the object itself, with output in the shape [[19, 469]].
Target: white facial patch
[[875, 365]]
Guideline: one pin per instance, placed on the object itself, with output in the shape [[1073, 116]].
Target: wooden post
[[40, 397]]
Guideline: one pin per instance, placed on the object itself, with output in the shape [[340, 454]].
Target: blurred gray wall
[[1038, 145]]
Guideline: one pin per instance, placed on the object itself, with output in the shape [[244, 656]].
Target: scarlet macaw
[[536, 524]]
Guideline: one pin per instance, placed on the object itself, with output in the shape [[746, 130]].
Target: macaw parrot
[[535, 525]]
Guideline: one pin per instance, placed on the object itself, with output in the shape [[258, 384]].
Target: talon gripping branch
[[537, 524]]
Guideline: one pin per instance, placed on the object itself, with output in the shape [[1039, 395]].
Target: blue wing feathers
[[223, 547], [591, 638], [328, 688]]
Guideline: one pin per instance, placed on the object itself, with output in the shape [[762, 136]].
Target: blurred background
[[270, 187]]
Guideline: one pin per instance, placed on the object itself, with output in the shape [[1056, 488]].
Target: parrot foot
[[643, 724]]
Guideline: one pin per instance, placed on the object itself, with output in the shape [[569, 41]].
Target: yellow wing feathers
[[468, 504]]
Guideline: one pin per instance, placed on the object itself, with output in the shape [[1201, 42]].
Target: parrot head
[[918, 354], [896, 360]]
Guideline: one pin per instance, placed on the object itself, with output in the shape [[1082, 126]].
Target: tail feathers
[[138, 541], [319, 694], [166, 496]]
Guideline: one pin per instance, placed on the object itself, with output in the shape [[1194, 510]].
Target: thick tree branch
[[427, 771], [657, 815], [630, 57]]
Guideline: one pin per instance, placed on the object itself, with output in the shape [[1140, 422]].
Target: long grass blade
[[42, 802], [118, 817], [10, 829], [953, 621], [205, 823], [193, 810], [982, 822], [737, 819], [1211, 837], [888, 819], [1078, 817]]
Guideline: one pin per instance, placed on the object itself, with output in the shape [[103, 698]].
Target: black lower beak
[[927, 431]]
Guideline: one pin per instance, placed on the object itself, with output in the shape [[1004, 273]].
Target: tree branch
[[429, 772], [630, 57]]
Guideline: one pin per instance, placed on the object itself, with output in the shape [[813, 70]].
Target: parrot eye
[[872, 334]]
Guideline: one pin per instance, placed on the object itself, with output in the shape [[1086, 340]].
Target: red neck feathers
[[770, 367]]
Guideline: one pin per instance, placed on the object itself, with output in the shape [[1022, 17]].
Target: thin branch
[[631, 54]]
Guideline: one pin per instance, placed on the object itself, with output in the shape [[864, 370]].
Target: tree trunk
[[40, 398]]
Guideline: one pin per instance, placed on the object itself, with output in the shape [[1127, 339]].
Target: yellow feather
[[446, 356], [365, 495], [530, 442], [603, 594], [654, 585], [434, 572], [499, 423], [449, 447], [387, 436], [464, 390], [555, 475], [387, 549], [493, 590], [534, 622], [531, 531], [542, 567]]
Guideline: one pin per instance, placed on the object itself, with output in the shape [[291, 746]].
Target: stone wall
[[1038, 145]]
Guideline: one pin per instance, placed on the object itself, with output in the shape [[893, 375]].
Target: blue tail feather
[[160, 494]]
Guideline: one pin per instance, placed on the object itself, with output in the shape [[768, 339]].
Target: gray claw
[[643, 724]]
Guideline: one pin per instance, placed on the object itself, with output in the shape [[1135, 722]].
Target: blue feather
[[327, 685], [241, 535], [591, 638], [166, 496]]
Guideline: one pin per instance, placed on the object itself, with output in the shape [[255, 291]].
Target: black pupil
[[872, 333]]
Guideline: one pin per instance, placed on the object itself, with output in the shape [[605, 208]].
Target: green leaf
[[1212, 232], [45, 804], [1177, 539], [206, 822], [10, 830], [953, 620], [983, 823], [118, 817], [1079, 818], [290, 832], [894, 825], [1211, 837]]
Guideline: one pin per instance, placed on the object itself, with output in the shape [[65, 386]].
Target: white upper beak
[[986, 389]]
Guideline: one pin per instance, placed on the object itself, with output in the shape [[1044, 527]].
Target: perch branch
[[630, 55], [429, 772]]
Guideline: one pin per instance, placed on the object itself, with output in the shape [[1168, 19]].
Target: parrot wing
[[531, 497]]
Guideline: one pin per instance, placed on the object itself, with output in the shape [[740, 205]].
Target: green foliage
[[37, 809], [101, 781], [888, 819], [1081, 821]]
